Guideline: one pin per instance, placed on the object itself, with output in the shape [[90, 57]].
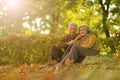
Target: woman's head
[[84, 29], [72, 28]]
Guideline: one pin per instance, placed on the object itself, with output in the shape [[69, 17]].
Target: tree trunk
[[55, 20], [104, 19], [105, 15]]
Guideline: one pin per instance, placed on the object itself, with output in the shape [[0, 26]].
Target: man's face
[[72, 30]]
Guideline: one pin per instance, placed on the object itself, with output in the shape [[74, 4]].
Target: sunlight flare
[[14, 5], [116, 27], [1, 13], [5, 8], [26, 25], [38, 21], [44, 32]]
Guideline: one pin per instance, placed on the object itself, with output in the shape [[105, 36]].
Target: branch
[[102, 5]]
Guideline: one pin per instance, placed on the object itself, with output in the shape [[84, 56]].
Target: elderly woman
[[85, 44]]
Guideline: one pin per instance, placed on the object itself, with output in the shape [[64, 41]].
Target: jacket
[[88, 41], [63, 42]]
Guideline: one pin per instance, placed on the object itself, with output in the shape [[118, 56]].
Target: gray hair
[[86, 27], [73, 24]]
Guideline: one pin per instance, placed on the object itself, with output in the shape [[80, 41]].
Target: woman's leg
[[87, 52], [77, 52]]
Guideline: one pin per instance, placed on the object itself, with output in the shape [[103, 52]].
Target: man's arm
[[63, 42]]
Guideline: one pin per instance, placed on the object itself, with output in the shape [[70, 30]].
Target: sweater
[[88, 41]]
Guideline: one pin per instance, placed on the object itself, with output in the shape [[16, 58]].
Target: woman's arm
[[91, 42]]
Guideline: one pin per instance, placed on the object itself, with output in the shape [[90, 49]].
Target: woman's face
[[83, 31]]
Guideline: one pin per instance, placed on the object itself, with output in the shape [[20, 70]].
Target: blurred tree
[[53, 16]]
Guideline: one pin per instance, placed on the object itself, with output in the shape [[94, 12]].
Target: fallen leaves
[[76, 72], [50, 74]]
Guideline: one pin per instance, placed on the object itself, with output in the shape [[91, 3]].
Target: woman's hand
[[78, 37]]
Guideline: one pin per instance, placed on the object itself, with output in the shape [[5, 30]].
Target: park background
[[28, 28]]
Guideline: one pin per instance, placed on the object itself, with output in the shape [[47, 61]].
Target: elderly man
[[56, 50]]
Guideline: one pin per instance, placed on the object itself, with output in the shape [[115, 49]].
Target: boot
[[69, 62]]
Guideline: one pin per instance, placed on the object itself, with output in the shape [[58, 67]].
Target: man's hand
[[70, 42]]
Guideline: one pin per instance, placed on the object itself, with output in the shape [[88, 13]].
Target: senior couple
[[76, 45]]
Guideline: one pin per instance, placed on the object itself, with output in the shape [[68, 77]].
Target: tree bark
[[105, 16], [104, 19]]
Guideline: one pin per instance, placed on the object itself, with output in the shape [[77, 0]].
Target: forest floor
[[108, 69]]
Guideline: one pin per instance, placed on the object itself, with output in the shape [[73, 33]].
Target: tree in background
[[53, 17]]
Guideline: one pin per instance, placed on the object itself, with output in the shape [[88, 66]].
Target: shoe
[[57, 67], [54, 62], [69, 62]]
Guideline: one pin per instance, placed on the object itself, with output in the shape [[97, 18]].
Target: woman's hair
[[86, 27]]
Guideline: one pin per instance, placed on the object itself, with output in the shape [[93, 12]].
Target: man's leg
[[56, 53], [70, 54]]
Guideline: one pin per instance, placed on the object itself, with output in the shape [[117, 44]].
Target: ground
[[108, 69]]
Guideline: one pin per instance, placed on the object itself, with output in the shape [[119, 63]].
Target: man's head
[[72, 28]]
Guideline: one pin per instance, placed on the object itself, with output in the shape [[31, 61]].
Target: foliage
[[54, 16], [18, 48], [25, 46], [59, 15], [107, 43]]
